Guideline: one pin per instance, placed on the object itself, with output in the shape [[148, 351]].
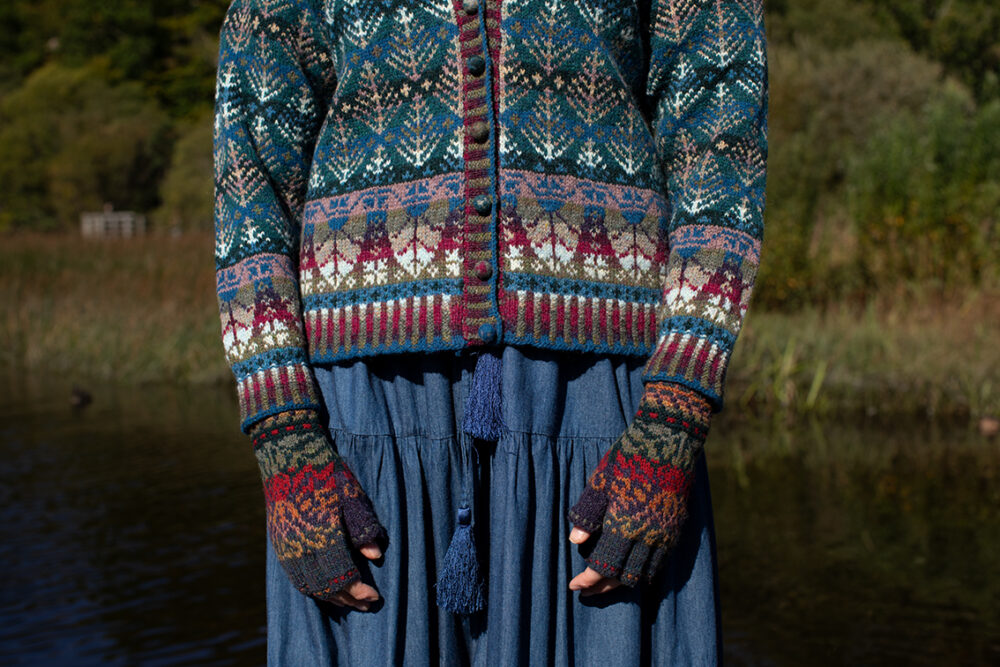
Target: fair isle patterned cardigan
[[415, 175]]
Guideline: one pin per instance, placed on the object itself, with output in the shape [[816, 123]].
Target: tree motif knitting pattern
[[315, 507], [636, 499], [605, 159]]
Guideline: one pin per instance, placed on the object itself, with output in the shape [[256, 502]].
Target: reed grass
[[133, 310], [914, 350]]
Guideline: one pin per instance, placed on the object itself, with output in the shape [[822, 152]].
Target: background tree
[[70, 141], [187, 191]]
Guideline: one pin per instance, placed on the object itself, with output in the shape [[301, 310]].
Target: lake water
[[131, 532]]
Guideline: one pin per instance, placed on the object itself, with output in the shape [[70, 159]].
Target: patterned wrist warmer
[[314, 504], [637, 496]]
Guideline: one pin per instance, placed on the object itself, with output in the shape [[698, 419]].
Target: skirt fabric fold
[[397, 421]]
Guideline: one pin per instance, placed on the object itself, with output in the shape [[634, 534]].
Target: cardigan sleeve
[[708, 91], [273, 81]]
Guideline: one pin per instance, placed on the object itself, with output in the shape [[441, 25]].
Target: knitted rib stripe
[[397, 176]]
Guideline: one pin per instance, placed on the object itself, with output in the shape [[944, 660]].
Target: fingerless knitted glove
[[637, 496], [314, 504]]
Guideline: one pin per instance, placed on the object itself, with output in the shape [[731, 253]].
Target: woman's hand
[[316, 510], [590, 581], [635, 501]]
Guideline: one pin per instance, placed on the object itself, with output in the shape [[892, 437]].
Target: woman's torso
[[483, 175]]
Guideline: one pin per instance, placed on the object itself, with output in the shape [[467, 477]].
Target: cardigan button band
[[483, 204], [483, 270], [476, 64], [470, 6], [479, 131], [488, 333]]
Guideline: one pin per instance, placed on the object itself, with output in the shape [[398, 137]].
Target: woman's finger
[[371, 551], [361, 592], [578, 535], [603, 586], [343, 599], [585, 579], [340, 599]]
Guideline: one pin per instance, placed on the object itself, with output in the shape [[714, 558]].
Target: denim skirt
[[397, 421]]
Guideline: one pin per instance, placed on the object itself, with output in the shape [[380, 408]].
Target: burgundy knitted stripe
[[407, 321], [581, 320], [689, 355], [492, 23], [271, 389]]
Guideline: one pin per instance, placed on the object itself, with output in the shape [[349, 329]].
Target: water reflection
[[849, 543], [132, 533]]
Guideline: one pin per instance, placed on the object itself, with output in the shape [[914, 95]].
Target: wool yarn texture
[[636, 499], [314, 506], [395, 176]]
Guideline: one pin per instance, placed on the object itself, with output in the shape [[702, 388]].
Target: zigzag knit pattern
[[315, 507], [637, 496], [398, 176]]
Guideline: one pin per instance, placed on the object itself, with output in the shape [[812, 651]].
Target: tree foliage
[[187, 191], [881, 168], [70, 141], [924, 194], [167, 46]]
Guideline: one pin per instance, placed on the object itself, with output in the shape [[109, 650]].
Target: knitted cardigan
[[416, 175]]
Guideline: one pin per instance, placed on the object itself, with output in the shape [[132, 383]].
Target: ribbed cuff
[[271, 391], [629, 561], [322, 573]]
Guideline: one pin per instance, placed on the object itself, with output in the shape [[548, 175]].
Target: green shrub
[[69, 142], [925, 194], [187, 190], [824, 106]]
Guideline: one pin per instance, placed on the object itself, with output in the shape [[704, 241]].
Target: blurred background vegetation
[[880, 275]]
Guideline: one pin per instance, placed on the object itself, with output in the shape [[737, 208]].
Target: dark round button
[[488, 333], [482, 204], [476, 64], [479, 131], [483, 270], [470, 6]]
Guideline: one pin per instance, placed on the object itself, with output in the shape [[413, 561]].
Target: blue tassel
[[460, 587], [483, 406]]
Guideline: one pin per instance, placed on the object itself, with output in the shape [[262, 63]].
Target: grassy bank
[[144, 310], [912, 351], [134, 310]]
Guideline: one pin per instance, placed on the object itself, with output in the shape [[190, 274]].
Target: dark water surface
[[132, 532]]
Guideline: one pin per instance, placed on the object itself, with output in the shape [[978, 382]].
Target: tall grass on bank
[[133, 310], [145, 310], [914, 350]]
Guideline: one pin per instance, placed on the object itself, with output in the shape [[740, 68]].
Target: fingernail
[[363, 606]]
